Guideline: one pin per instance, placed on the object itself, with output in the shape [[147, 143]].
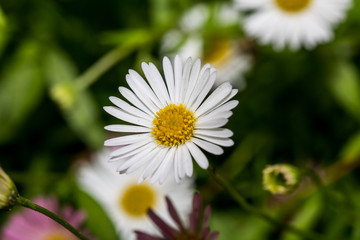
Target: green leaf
[[345, 86], [21, 88], [96, 220], [351, 150], [4, 30], [78, 107]]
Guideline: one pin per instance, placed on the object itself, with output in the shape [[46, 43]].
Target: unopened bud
[[280, 178], [8, 191]]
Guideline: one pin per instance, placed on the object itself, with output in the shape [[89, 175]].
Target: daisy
[[30, 225], [126, 202], [293, 22], [198, 224], [171, 120]]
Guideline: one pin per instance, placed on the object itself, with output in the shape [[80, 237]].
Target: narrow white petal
[[130, 109], [120, 114], [169, 78], [134, 159], [194, 77], [126, 128], [225, 107], [218, 132], [211, 123], [176, 167], [156, 75], [154, 164], [131, 97], [143, 161], [162, 172], [209, 147], [132, 152], [180, 163], [155, 83], [178, 77], [126, 149], [124, 140], [204, 91], [203, 79], [198, 155], [185, 79], [230, 96], [225, 142], [217, 96], [213, 116], [188, 165], [142, 90]]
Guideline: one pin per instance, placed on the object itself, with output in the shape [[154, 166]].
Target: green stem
[[245, 205], [102, 65], [28, 204]]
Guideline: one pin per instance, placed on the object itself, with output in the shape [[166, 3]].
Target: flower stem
[[245, 205], [28, 204]]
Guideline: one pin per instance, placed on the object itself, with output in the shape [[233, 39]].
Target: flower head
[[198, 228], [126, 202], [8, 191], [171, 120], [280, 178], [293, 22], [30, 225]]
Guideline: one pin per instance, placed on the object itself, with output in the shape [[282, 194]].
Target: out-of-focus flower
[[8, 191], [293, 22], [280, 178], [127, 202], [230, 55], [30, 225], [198, 228], [171, 119]]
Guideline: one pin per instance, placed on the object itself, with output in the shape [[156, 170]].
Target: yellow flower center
[[219, 52], [56, 236], [173, 125], [292, 5], [137, 199]]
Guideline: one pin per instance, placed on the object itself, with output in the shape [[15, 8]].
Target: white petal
[[210, 123], [131, 97], [218, 132], [156, 74], [178, 77], [154, 164], [129, 148], [201, 82], [198, 155], [187, 160], [176, 167], [120, 114], [142, 90], [169, 78], [204, 91], [126, 128], [155, 83], [216, 115], [128, 154], [217, 96], [231, 95], [124, 140], [185, 79], [225, 107], [194, 77], [163, 170], [130, 109], [225, 142], [209, 147], [179, 165], [134, 159]]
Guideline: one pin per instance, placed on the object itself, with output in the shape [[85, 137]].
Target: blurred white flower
[[127, 202], [293, 22], [171, 119]]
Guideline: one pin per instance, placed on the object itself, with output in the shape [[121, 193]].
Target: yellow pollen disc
[[173, 125], [137, 199], [56, 236], [293, 5], [219, 53]]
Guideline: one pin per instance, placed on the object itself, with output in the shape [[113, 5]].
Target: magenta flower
[[198, 229], [31, 225]]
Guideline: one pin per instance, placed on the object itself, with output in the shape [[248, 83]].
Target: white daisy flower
[[171, 119], [293, 22], [125, 201]]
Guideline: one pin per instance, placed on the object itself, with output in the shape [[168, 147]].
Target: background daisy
[[294, 23], [171, 119], [127, 202]]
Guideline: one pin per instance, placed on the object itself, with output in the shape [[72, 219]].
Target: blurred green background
[[61, 59]]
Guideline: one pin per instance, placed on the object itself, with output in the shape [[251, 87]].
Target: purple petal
[[195, 214], [145, 236], [167, 231], [213, 236], [205, 233], [174, 214], [206, 217]]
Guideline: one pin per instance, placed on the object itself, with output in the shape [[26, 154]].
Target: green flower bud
[[64, 95], [8, 191], [280, 178]]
